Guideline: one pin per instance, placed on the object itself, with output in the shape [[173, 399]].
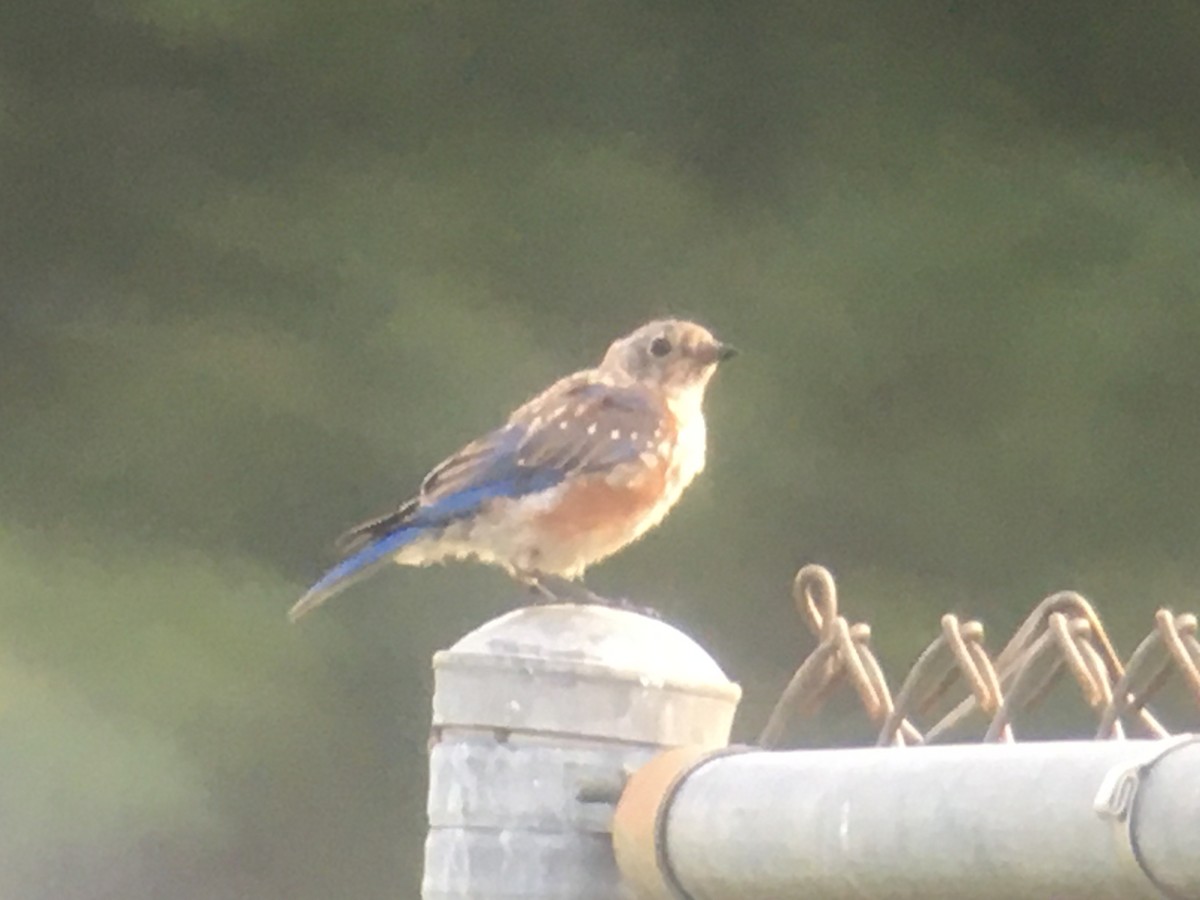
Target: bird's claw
[[569, 592]]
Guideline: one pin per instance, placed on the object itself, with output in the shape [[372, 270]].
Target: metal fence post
[[536, 715]]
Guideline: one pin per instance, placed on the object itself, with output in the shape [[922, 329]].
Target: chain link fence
[[1063, 637]]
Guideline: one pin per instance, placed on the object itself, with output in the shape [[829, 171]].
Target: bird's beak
[[709, 354], [719, 352], [716, 352]]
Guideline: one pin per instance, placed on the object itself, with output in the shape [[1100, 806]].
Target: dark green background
[[263, 263]]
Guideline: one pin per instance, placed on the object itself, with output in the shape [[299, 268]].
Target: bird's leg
[[537, 587], [556, 589], [577, 592]]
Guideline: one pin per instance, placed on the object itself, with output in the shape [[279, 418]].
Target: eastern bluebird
[[581, 470]]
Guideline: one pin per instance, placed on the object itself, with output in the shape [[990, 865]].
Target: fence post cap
[[586, 670]]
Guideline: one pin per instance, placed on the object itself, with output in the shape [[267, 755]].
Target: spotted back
[[589, 426]]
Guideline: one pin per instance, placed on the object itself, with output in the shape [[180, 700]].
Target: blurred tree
[[263, 263]]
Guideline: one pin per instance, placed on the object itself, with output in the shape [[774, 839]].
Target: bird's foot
[[628, 605], [542, 595], [553, 589]]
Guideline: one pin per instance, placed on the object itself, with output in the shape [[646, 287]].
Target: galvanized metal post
[[533, 712]]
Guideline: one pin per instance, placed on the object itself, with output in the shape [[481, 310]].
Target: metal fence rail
[[1101, 820]]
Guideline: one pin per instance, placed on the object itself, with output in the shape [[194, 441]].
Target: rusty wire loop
[[956, 652], [843, 655], [1063, 636], [1172, 644], [1063, 632]]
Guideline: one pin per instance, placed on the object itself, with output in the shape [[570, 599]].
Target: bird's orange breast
[[604, 503]]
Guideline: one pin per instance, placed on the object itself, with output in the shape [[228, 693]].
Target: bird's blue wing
[[490, 467], [576, 426]]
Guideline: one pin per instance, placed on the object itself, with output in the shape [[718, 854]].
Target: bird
[[574, 475]]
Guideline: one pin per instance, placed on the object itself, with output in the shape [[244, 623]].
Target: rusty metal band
[[661, 855]]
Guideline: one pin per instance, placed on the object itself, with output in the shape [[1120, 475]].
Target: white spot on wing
[[591, 429], [616, 434]]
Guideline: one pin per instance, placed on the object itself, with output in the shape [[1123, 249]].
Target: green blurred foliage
[[263, 263]]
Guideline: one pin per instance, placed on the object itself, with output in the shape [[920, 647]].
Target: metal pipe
[[990, 822]]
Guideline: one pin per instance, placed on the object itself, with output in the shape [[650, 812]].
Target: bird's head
[[674, 355]]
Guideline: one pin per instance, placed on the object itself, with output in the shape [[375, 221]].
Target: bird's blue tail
[[353, 568]]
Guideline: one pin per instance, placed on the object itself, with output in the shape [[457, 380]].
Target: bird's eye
[[660, 346]]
